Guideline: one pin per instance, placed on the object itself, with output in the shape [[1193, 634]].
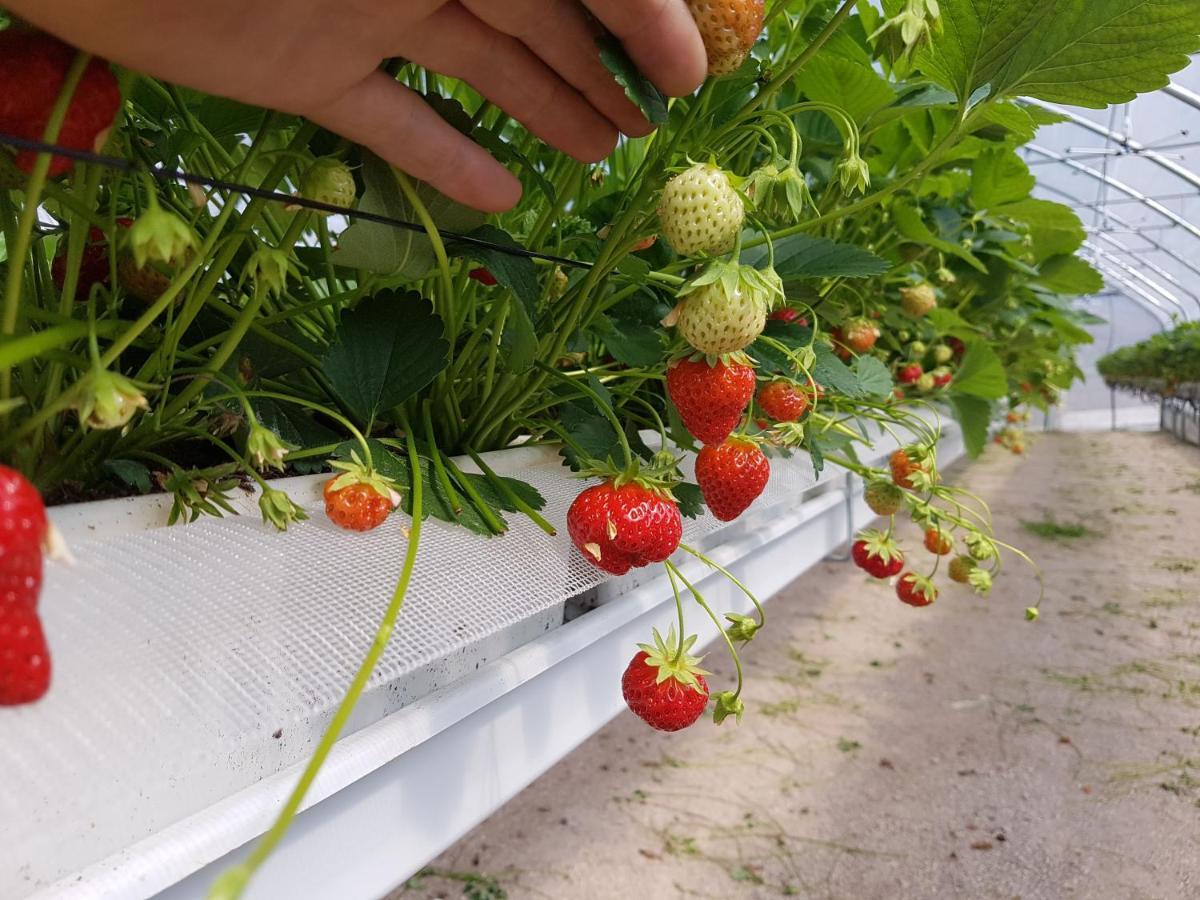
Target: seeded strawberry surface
[[731, 476], [621, 528], [938, 541], [700, 212], [783, 402], [915, 590], [356, 507], [667, 705], [33, 68], [24, 656], [884, 499], [729, 29], [710, 398], [715, 321]]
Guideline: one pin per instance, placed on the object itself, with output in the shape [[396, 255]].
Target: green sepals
[[922, 584], [981, 581], [779, 192], [742, 628], [672, 661], [756, 285], [159, 236], [787, 434], [880, 545], [269, 268], [355, 472], [660, 475], [279, 509], [108, 400], [1031, 613], [266, 449], [909, 30], [980, 547], [727, 704], [853, 174]]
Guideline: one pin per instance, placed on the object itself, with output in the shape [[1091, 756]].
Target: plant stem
[[233, 881]]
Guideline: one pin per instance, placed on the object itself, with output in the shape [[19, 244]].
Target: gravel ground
[[954, 751]]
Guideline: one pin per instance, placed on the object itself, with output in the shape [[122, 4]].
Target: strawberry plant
[[199, 294]]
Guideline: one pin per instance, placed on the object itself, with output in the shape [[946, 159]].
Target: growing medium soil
[[954, 751]]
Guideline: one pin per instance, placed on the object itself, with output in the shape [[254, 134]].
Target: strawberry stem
[[510, 495], [679, 611], [762, 614], [737, 663], [438, 467], [232, 882]]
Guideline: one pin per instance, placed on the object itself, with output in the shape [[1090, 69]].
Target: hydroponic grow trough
[[197, 666]]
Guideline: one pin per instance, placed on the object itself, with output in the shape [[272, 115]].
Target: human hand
[[535, 59]]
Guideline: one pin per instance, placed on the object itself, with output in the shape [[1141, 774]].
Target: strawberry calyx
[[920, 585], [659, 476], [756, 285], [159, 236], [880, 545], [727, 703], [687, 353], [356, 472], [741, 628], [980, 580], [672, 660]]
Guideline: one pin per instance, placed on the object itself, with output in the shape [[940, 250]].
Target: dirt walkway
[[955, 751]]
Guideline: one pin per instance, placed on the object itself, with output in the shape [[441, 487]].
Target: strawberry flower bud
[[265, 448], [1031, 613], [727, 704], [279, 509], [980, 580], [853, 174], [780, 192], [269, 268], [160, 236], [743, 628], [108, 400]]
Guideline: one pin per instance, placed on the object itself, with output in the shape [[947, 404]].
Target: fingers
[[661, 37], [561, 34], [398, 126], [456, 43]]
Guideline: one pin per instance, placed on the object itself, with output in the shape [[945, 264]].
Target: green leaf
[[874, 379], [998, 177], [644, 95], [855, 87], [981, 374], [519, 340], [630, 343], [1071, 275], [292, 423], [516, 273], [804, 256], [974, 414], [1054, 228], [387, 250], [591, 431], [691, 500], [948, 322], [910, 224], [385, 349], [1090, 53], [130, 473], [834, 374]]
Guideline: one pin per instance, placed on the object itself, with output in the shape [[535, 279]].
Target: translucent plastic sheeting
[[191, 662]]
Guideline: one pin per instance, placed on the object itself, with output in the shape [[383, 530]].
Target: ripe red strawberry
[[483, 276], [915, 590], [93, 265], [618, 528], [938, 541], [33, 69], [24, 529], [24, 656], [910, 374], [710, 398], [942, 377], [356, 507], [663, 687], [782, 401], [860, 335], [957, 346], [877, 554], [731, 475], [729, 29], [961, 568], [788, 316], [884, 498]]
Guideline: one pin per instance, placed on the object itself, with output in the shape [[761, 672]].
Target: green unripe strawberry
[[961, 568], [918, 300], [884, 498], [926, 382], [328, 181], [942, 354], [916, 349], [724, 309], [700, 212]]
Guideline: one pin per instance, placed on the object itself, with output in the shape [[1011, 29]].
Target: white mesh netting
[[191, 662]]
